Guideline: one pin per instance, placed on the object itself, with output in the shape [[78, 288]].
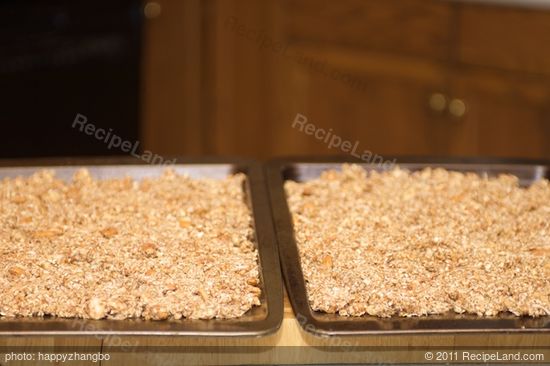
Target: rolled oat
[[398, 243], [168, 247]]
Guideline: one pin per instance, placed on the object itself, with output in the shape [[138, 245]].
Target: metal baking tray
[[320, 323], [259, 321]]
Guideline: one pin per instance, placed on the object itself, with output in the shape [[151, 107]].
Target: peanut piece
[[327, 261], [18, 199], [256, 290], [159, 312], [25, 220], [252, 281], [540, 251], [149, 249], [47, 234], [16, 271], [96, 309], [453, 295], [202, 294], [184, 223], [109, 232], [171, 287]]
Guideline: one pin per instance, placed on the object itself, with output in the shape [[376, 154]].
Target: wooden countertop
[[540, 4], [290, 345]]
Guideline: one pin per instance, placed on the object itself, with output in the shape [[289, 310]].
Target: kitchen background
[[229, 77]]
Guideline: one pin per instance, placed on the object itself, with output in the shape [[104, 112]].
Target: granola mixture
[[410, 244], [169, 247]]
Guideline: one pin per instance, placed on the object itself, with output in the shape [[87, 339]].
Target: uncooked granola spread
[[159, 248], [398, 243]]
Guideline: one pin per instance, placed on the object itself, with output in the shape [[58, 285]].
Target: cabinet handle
[[457, 108], [152, 9], [438, 102]]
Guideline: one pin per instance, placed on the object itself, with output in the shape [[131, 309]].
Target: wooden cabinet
[[416, 27], [440, 78], [511, 114], [504, 37], [382, 113], [403, 77]]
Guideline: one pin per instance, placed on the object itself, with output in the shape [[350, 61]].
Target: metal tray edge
[[292, 272], [267, 246]]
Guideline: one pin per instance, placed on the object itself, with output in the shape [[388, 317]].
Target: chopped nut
[[159, 312], [453, 296], [96, 309], [200, 212], [184, 223], [255, 290], [432, 241], [171, 287], [64, 256], [252, 281], [46, 234], [149, 249], [327, 261], [16, 271], [109, 232], [25, 220], [76, 255], [18, 199], [202, 294], [540, 251]]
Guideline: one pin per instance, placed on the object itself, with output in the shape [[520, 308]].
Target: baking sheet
[[260, 320], [320, 323]]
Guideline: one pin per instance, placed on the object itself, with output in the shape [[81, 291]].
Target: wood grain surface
[[290, 345]]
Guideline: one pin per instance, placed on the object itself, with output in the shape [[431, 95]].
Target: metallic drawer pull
[[152, 9], [438, 102], [457, 107]]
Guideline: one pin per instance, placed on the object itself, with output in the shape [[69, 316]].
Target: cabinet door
[[383, 111], [511, 114], [415, 27], [511, 38]]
